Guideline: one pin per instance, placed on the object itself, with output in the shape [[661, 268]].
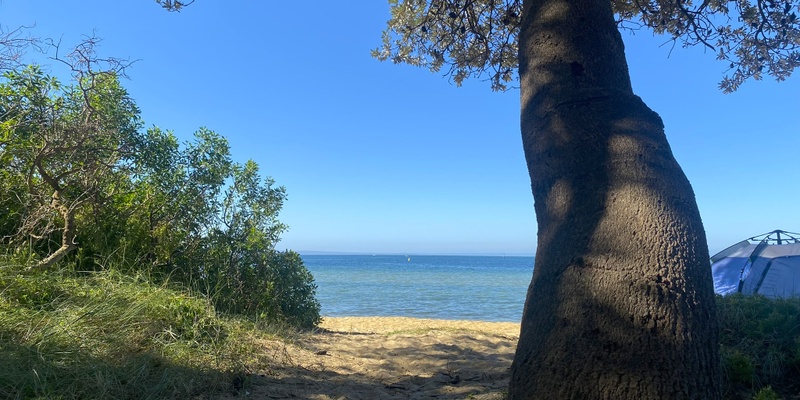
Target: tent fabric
[[772, 271]]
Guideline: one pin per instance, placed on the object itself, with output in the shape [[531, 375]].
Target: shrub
[[276, 288], [294, 291], [766, 393], [739, 368], [760, 345]]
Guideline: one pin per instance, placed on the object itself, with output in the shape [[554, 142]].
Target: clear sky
[[383, 158]]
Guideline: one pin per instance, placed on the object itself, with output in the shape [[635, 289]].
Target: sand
[[391, 358]]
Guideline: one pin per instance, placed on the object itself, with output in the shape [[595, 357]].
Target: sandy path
[[392, 358]]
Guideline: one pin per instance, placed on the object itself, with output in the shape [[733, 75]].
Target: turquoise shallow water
[[442, 287]]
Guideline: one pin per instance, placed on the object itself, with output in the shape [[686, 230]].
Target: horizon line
[[367, 253]]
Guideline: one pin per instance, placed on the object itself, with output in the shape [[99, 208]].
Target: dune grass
[[105, 335], [760, 347]]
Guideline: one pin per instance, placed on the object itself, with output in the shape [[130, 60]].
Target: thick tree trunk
[[621, 305]]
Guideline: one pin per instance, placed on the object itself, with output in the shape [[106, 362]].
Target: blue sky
[[383, 158]]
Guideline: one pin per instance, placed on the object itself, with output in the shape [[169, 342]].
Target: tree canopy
[[479, 38], [174, 5]]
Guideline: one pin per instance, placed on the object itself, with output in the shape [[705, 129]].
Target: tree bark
[[57, 202], [621, 305], [67, 236]]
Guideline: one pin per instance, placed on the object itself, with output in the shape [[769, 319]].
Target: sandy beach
[[391, 358]]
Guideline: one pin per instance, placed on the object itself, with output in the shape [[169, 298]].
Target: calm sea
[[441, 287]]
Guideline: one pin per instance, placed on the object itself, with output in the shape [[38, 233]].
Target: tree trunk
[[621, 305], [67, 236]]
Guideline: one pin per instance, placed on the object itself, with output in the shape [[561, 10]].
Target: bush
[[180, 213], [766, 393], [739, 368], [276, 288], [760, 346], [294, 291]]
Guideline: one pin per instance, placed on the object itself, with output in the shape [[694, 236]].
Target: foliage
[[760, 346], [68, 144], [108, 335], [474, 38], [212, 225], [174, 5], [766, 393], [84, 183]]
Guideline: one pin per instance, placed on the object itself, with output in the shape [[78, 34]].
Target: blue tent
[[767, 264]]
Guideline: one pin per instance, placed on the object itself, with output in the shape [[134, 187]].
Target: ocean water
[[441, 287]]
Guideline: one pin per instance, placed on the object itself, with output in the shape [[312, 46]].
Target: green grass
[[760, 347], [110, 336]]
